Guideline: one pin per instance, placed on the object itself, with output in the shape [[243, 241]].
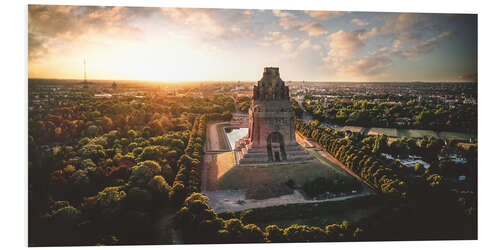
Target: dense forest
[[102, 171]]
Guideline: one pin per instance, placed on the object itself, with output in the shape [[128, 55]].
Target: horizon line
[[243, 81]]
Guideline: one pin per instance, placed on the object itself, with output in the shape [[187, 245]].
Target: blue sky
[[172, 44]]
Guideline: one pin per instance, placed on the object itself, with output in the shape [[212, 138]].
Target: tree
[[139, 199], [178, 193], [66, 214], [160, 188], [106, 123], [248, 216], [92, 131], [144, 172], [252, 233], [419, 168], [274, 234], [92, 151], [131, 134], [434, 180], [234, 227], [301, 233], [334, 232], [196, 197], [110, 200]]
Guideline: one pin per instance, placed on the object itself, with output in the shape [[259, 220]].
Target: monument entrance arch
[[275, 147]]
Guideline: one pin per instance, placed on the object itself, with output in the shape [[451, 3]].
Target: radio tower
[[85, 84], [84, 71]]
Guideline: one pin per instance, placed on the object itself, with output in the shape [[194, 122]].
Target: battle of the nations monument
[[265, 161], [271, 129]]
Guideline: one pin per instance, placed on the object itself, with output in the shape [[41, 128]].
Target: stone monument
[[271, 130]]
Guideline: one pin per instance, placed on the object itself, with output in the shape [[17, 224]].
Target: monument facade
[[271, 130]]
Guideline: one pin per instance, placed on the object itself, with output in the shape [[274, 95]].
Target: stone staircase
[[246, 155]]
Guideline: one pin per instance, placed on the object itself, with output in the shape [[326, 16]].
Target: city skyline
[[175, 44]]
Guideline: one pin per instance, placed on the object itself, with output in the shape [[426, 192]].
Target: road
[[305, 115], [236, 109]]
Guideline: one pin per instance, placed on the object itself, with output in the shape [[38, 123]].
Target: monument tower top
[[270, 87]]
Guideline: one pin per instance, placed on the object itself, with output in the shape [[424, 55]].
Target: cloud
[[396, 45], [287, 43], [373, 65], [307, 44], [290, 21], [410, 26], [280, 39], [359, 22], [325, 15], [344, 46], [401, 21], [277, 37], [314, 29], [280, 13], [73, 20], [469, 77], [37, 46], [347, 43], [47, 24], [202, 19], [241, 32], [427, 46], [216, 23], [51, 27]]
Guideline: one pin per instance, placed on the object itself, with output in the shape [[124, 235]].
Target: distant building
[[244, 93], [105, 95]]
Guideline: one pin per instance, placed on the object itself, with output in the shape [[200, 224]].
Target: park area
[[238, 188]]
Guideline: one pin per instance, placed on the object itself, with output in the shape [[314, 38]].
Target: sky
[[187, 44]]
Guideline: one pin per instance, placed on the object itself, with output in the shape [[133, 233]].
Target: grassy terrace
[[222, 137], [327, 162]]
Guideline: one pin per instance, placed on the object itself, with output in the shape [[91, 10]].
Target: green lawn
[[330, 164]]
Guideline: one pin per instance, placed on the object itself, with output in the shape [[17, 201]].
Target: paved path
[[236, 109], [207, 158], [213, 137], [214, 144], [305, 115], [234, 200]]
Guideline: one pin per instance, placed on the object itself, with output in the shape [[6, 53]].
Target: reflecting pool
[[234, 134]]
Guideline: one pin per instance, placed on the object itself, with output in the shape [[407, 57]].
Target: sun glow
[[172, 45]]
